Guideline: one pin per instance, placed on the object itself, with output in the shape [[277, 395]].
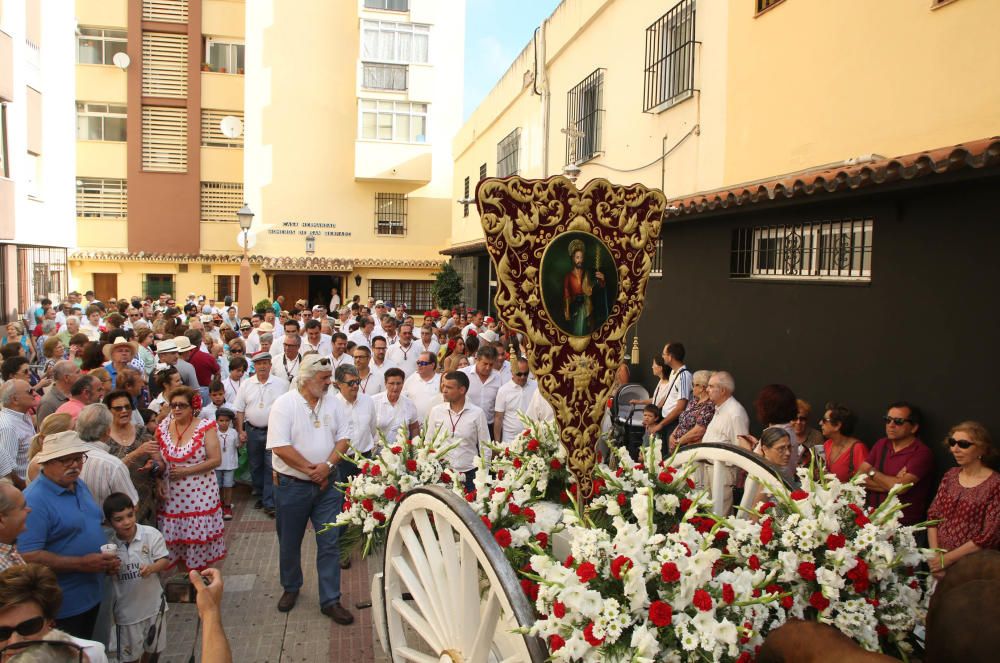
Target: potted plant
[[206, 67]]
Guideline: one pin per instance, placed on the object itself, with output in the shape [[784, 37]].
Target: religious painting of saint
[[579, 282]]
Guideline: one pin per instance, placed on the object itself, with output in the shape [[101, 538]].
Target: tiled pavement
[[257, 632]]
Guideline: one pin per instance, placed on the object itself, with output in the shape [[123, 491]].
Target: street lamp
[[245, 217]]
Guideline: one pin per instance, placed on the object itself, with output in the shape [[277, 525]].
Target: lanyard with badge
[[454, 421]]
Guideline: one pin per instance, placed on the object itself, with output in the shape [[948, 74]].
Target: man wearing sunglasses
[[901, 458], [423, 387], [513, 398]]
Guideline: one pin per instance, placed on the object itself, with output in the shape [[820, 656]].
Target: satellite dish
[[121, 60], [231, 126], [251, 240]]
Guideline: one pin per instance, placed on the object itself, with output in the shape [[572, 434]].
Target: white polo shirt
[[390, 417], [343, 359], [404, 358], [255, 399], [323, 347], [539, 408], [424, 394], [467, 427], [362, 416], [137, 598], [679, 387], [432, 348], [483, 394], [285, 368], [730, 421], [232, 387], [291, 424], [512, 398], [358, 338]]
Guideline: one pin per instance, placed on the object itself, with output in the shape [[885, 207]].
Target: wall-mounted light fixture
[[357, 280], [256, 278], [310, 244]]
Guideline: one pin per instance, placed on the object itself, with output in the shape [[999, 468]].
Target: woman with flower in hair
[[190, 516]]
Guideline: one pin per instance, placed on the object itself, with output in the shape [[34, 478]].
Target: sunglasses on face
[[899, 421], [180, 406], [27, 627], [961, 444], [121, 408], [351, 383], [424, 363], [521, 375]]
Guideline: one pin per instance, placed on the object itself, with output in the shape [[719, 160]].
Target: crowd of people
[[124, 426]]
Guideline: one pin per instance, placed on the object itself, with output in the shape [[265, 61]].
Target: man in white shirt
[[393, 411], [404, 353], [253, 406], [389, 324], [372, 382], [539, 408], [287, 366], [103, 472], [308, 432], [380, 348], [377, 311], [315, 340], [513, 398], [679, 386], [423, 387], [361, 410], [501, 365], [340, 355], [363, 334], [253, 340], [458, 421], [728, 425], [484, 381], [475, 325], [427, 342], [334, 300]]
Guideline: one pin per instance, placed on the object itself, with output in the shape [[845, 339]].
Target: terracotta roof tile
[[984, 153], [287, 263]]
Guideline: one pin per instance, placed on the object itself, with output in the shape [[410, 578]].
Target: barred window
[[154, 284], [415, 294], [656, 269], [226, 286], [508, 151], [101, 198], [584, 118], [96, 121], [465, 198], [817, 251], [670, 50], [221, 200], [99, 46], [390, 214], [767, 4], [211, 131]]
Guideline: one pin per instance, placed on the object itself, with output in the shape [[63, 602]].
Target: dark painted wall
[[923, 330]]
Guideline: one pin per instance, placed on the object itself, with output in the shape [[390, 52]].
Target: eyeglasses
[[825, 420], [180, 405], [27, 627], [962, 444], [350, 383], [66, 461], [425, 363], [121, 408], [291, 345], [521, 375], [58, 648], [899, 421], [325, 361]]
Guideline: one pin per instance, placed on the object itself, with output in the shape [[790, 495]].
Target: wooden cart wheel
[[448, 593], [717, 459]]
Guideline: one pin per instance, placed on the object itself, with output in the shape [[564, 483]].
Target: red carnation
[[586, 572], [514, 508], [486, 521], [367, 504], [685, 504], [529, 514], [391, 492], [665, 477], [588, 635], [558, 609], [728, 593], [766, 532], [543, 539], [500, 474], [502, 537], [621, 499], [787, 602], [669, 572], [620, 565], [569, 561], [379, 516], [555, 464], [376, 470], [835, 541], [517, 463], [690, 483], [745, 657], [660, 613], [397, 450], [799, 495], [753, 562], [860, 518], [470, 497], [530, 589], [765, 506], [818, 601], [411, 466], [444, 478], [807, 570], [882, 630], [702, 600], [556, 643], [533, 445]]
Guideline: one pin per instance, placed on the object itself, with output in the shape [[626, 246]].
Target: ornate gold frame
[[520, 219]]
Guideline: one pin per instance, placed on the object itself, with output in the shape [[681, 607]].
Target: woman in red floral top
[[968, 500]]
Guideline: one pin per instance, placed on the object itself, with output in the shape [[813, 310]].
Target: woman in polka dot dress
[[191, 516]]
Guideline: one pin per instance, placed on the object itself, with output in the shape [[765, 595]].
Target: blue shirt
[[65, 522]]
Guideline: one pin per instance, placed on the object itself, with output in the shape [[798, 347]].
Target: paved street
[[256, 630]]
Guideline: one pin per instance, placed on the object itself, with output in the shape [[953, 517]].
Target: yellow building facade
[[348, 110], [695, 95]]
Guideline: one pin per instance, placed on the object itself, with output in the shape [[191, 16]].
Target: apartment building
[[346, 112], [36, 158]]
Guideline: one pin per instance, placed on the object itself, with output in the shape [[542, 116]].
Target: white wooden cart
[[446, 592]]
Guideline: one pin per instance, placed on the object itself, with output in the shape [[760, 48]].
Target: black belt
[[289, 476], [257, 427]]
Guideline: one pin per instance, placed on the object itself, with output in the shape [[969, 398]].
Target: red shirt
[[205, 367], [846, 466], [967, 514], [918, 460]]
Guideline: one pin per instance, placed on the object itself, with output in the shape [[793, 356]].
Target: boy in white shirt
[[237, 376], [138, 595], [229, 441], [217, 400]]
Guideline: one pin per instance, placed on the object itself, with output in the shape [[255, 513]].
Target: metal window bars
[[670, 52], [415, 294], [508, 150], [838, 250], [226, 285], [390, 214], [585, 118], [154, 284], [766, 4], [465, 197]]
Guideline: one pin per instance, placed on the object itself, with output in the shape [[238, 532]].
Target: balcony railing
[[377, 76]]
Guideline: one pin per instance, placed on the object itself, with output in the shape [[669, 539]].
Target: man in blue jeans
[[308, 432], [254, 401]]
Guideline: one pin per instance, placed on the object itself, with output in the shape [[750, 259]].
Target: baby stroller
[[626, 419]]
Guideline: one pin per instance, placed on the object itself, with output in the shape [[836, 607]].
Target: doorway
[[314, 288], [320, 286], [105, 286]]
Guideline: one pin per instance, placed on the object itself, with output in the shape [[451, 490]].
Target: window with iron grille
[[211, 130], [221, 200], [99, 46], [390, 214], [584, 118], [96, 121], [41, 272], [482, 172], [154, 284], [670, 50], [101, 198], [766, 4], [226, 286], [508, 150], [465, 197], [380, 76], [656, 269], [388, 5], [816, 251], [415, 294]]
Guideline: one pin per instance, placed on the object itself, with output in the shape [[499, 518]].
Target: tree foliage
[[447, 287]]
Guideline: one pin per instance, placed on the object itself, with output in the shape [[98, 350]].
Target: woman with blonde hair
[[57, 422]]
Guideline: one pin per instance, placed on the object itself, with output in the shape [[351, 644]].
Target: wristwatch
[[330, 465], [871, 473]]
